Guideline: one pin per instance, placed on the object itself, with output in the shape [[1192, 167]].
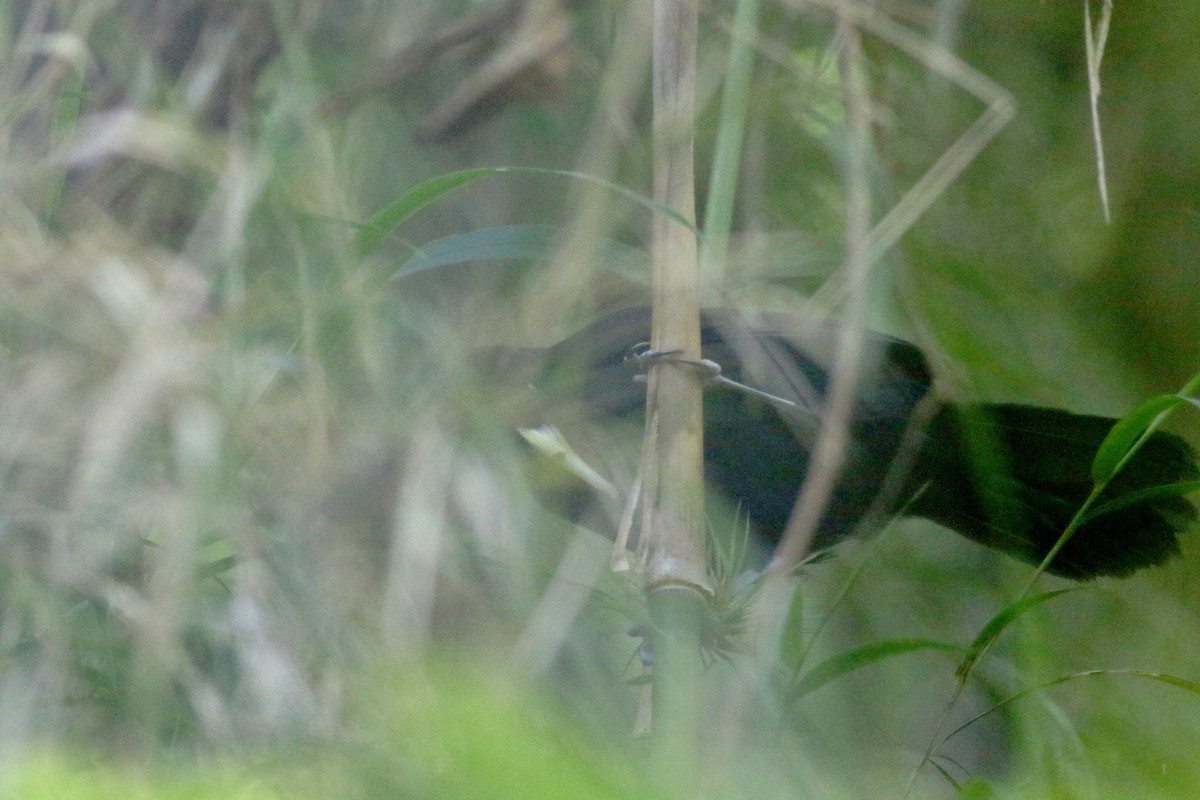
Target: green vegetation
[[265, 529]]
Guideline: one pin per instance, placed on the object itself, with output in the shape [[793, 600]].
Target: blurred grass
[[256, 511]]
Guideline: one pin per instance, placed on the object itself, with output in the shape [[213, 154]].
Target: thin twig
[[1095, 41], [829, 452]]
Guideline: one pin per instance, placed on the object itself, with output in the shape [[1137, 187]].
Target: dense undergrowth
[[264, 531]]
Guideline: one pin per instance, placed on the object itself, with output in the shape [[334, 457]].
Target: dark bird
[[1010, 477]]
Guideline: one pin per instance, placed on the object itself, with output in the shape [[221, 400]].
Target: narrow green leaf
[[727, 155], [997, 624], [1125, 434], [63, 124], [217, 567], [1161, 492], [501, 243], [508, 243], [383, 222], [847, 662], [1161, 677]]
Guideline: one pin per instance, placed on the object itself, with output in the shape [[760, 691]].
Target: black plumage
[[1010, 477]]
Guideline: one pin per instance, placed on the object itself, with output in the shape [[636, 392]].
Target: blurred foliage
[[1063, 307], [52, 778], [263, 531]]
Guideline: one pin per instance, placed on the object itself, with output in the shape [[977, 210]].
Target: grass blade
[[997, 625], [851, 660], [383, 222], [511, 243], [1126, 433]]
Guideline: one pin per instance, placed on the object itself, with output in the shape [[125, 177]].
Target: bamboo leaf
[[1160, 677], [997, 625], [1153, 493], [859, 657], [381, 224], [511, 243], [1125, 434], [386, 220]]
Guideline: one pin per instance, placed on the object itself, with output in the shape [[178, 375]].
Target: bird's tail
[[1020, 474]]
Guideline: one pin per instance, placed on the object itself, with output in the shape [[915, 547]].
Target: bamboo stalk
[[673, 512]]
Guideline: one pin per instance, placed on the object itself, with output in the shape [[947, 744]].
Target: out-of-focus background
[[264, 531]]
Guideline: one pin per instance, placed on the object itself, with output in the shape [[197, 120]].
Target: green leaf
[[1161, 677], [1126, 433], [1161, 492], [383, 222], [501, 243], [997, 624], [847, 662], [508, 243]]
